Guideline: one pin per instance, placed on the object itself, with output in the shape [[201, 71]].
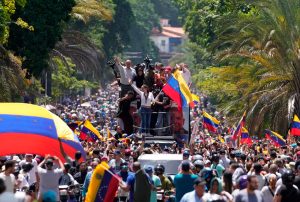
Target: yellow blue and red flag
[[245, 137], [89, 132], [27, 128], [238, 131], [295, 127], [177, 89], [277, 139], [210, 122], [196, 98], [103, 185]]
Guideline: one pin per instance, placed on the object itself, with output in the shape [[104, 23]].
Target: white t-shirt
[[49, 180], [8, 197], [32, 172], [145, 101], [23, 178], [9, 181], [266, 194]]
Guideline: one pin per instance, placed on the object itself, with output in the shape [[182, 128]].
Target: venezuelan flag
[[275, 138], [221, 139], [196, 99], [26, 128], [210, 122], [89, 132], [295, 127], [238, 131], [104, 184], [245, 137], [177, 89]]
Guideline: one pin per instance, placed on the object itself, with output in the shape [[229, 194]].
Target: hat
[[117, 152], [298, 153], [28, 154], [186, 153], [199, 181], [149, 169]]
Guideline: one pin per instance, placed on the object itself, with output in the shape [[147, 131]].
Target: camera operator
[[126, 73]]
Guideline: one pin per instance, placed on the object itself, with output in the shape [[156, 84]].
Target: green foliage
[[47, 18], [145, 19], [117, 38], [64, 80], [167, 9], [201, 17]]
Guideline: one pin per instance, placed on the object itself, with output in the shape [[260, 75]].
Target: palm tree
[[269, 40]]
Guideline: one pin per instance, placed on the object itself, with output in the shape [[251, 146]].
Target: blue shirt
[[191, 197], [130, 181], [86, 183], [184, 183]]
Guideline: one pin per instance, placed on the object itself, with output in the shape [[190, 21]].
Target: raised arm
[[137, 90]]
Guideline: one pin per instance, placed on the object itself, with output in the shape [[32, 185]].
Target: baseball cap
[[298, 153], [117, 152], [199, 181], [149, 169], [186, 153]]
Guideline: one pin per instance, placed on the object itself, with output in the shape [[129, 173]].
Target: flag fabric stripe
[[27, 124], [245, 137], [103, 185], [275, 138], [210, 122], [184, 89], [172, 90], [237, 132], [34, 143], [33, 129], [24, 110], [177, 89], [295, 127]]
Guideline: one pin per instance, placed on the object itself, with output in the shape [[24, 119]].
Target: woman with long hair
[[147, 99]]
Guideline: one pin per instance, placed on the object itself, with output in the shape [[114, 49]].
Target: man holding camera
[[49, 176]]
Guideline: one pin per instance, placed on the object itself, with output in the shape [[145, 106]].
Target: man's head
[[49, 163], [252, 182], [177, 120], [257, 168], [128, 63], [77, 155], [28, 157], [10, 166], [199, 186], [272, 180], [130, 95], [185, 155], [149, 170], [136, 166], [185, 166], [124, 167], [273, 168], [117, 155], [83, 167]]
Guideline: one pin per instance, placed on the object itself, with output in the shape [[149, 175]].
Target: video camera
[[148, 64]]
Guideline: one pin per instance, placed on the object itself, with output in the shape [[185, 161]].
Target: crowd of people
[[132, 108]]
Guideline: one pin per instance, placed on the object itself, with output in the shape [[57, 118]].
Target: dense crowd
[[213, 168]]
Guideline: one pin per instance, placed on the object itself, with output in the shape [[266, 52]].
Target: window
[[163, 42]]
